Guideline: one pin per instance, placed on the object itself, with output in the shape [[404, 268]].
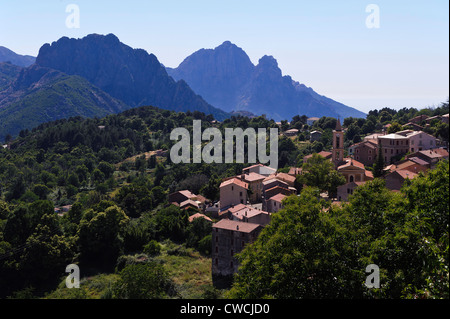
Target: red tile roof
[[278, 197], [198, 215], [236, 226], [405, 174], [235, 181], [252, 177]]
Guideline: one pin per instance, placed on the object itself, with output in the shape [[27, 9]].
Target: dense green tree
[[99, 235], [144, 281], [319, 172]]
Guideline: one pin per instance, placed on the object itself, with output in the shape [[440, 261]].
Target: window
[[232, 252], [232, 187], [217, 249], [217, 261], [240, 194], [370, 151], [370, 158], [357, 157], [352, 178]]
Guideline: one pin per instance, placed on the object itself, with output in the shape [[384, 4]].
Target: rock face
[[130, 75], [218, 74], [226, 78]]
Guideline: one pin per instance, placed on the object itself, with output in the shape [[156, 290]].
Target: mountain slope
[[130, 75], [40, 95], [8, 72], [6, 55], [227, 78]]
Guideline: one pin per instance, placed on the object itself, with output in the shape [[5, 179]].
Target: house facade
[[233, 192], [344, 191], [365, 152], [229, 237], [354, 171], [393, 145], [274, 204], [395, 180]]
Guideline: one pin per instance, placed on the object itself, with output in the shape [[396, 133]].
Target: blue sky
[[324, 44]]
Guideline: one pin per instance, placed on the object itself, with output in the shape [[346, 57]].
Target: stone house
[[229, 237], [395, 180]]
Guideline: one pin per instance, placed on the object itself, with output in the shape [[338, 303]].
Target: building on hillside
[[445, 118], [419, 119], [189, 203], [338, 145], [233, 192], [373, 137], [364, 152], [254, 181], [419, 141], [432, 157], [229, 237], [259, 169], [291, 132], [410, 165], [395, 180], [344, 191], [181, 196], [354, 171], [413, 126], [274, 203], [199, 215], [393, 146], [325, 154], [284, 177], [315, 136], [248, 214], [295, 171]]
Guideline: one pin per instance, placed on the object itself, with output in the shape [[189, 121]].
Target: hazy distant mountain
[[130, 75], [39, 94], [226, 78], [6, 55]]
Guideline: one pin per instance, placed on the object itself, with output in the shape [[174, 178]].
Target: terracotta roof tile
[[236, 226]]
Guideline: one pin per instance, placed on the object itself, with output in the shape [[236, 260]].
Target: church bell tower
[[338, 145]]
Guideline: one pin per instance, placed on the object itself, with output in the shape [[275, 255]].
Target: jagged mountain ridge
[[226, 78], [131, 75]]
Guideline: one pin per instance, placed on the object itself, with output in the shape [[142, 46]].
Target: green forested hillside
[[122, 230]]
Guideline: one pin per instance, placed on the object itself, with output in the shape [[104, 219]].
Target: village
[[248, 200]]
